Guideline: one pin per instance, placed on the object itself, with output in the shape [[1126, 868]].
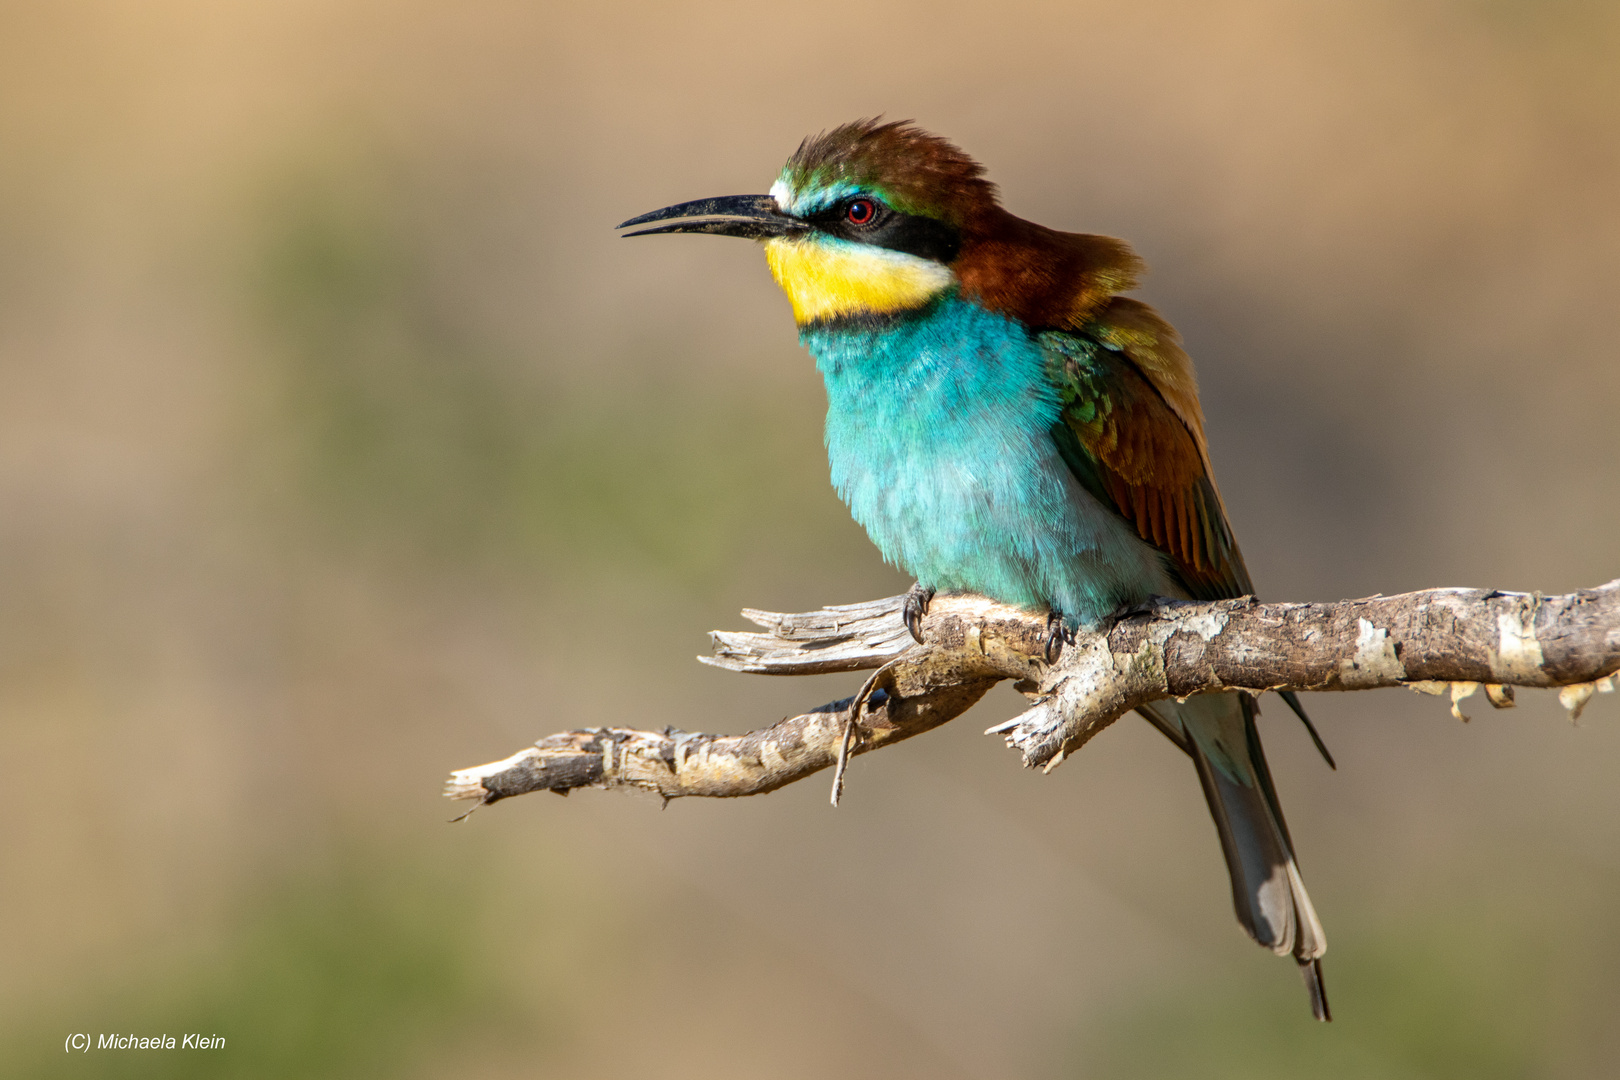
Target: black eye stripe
[[913, 234]]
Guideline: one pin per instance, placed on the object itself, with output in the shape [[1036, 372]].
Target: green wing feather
[[1130, 449]]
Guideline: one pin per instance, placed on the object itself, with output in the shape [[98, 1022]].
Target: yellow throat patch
[[828, 279]]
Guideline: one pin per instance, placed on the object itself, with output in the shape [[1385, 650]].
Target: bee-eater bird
[[1002, 421]]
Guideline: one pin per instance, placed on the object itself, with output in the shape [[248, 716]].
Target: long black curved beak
[[753, 217]]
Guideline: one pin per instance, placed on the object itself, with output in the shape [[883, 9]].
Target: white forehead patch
[[799, 205], [783, 196]]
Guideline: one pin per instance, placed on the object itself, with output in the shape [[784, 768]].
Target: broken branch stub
[[1432, 641]]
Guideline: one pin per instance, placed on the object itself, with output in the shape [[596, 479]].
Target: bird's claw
[[915, 607], [1056, 636]]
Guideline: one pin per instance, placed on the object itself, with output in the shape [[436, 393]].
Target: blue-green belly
[[938, 432]]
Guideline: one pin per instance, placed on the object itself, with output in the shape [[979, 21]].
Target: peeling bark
[[1431, 641]]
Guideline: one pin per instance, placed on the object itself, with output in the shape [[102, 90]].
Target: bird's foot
[[915, 607], [1057, 635]]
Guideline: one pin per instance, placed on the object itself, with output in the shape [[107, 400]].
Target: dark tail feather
[[1291, 699], [1168, 729], [1312, 970], [1267, 892]]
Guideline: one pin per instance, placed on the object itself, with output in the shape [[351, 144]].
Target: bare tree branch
[[1432, 641]]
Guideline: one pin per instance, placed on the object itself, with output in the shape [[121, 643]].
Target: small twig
[[843, 757]]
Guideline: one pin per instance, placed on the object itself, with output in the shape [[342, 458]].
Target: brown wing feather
[[1153, 468]]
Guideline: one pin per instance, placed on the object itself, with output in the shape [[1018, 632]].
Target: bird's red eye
[[861, 212]]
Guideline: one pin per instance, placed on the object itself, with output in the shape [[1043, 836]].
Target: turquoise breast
[[938, 432]]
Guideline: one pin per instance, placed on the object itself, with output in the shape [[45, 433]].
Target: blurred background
[[342, 445]]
